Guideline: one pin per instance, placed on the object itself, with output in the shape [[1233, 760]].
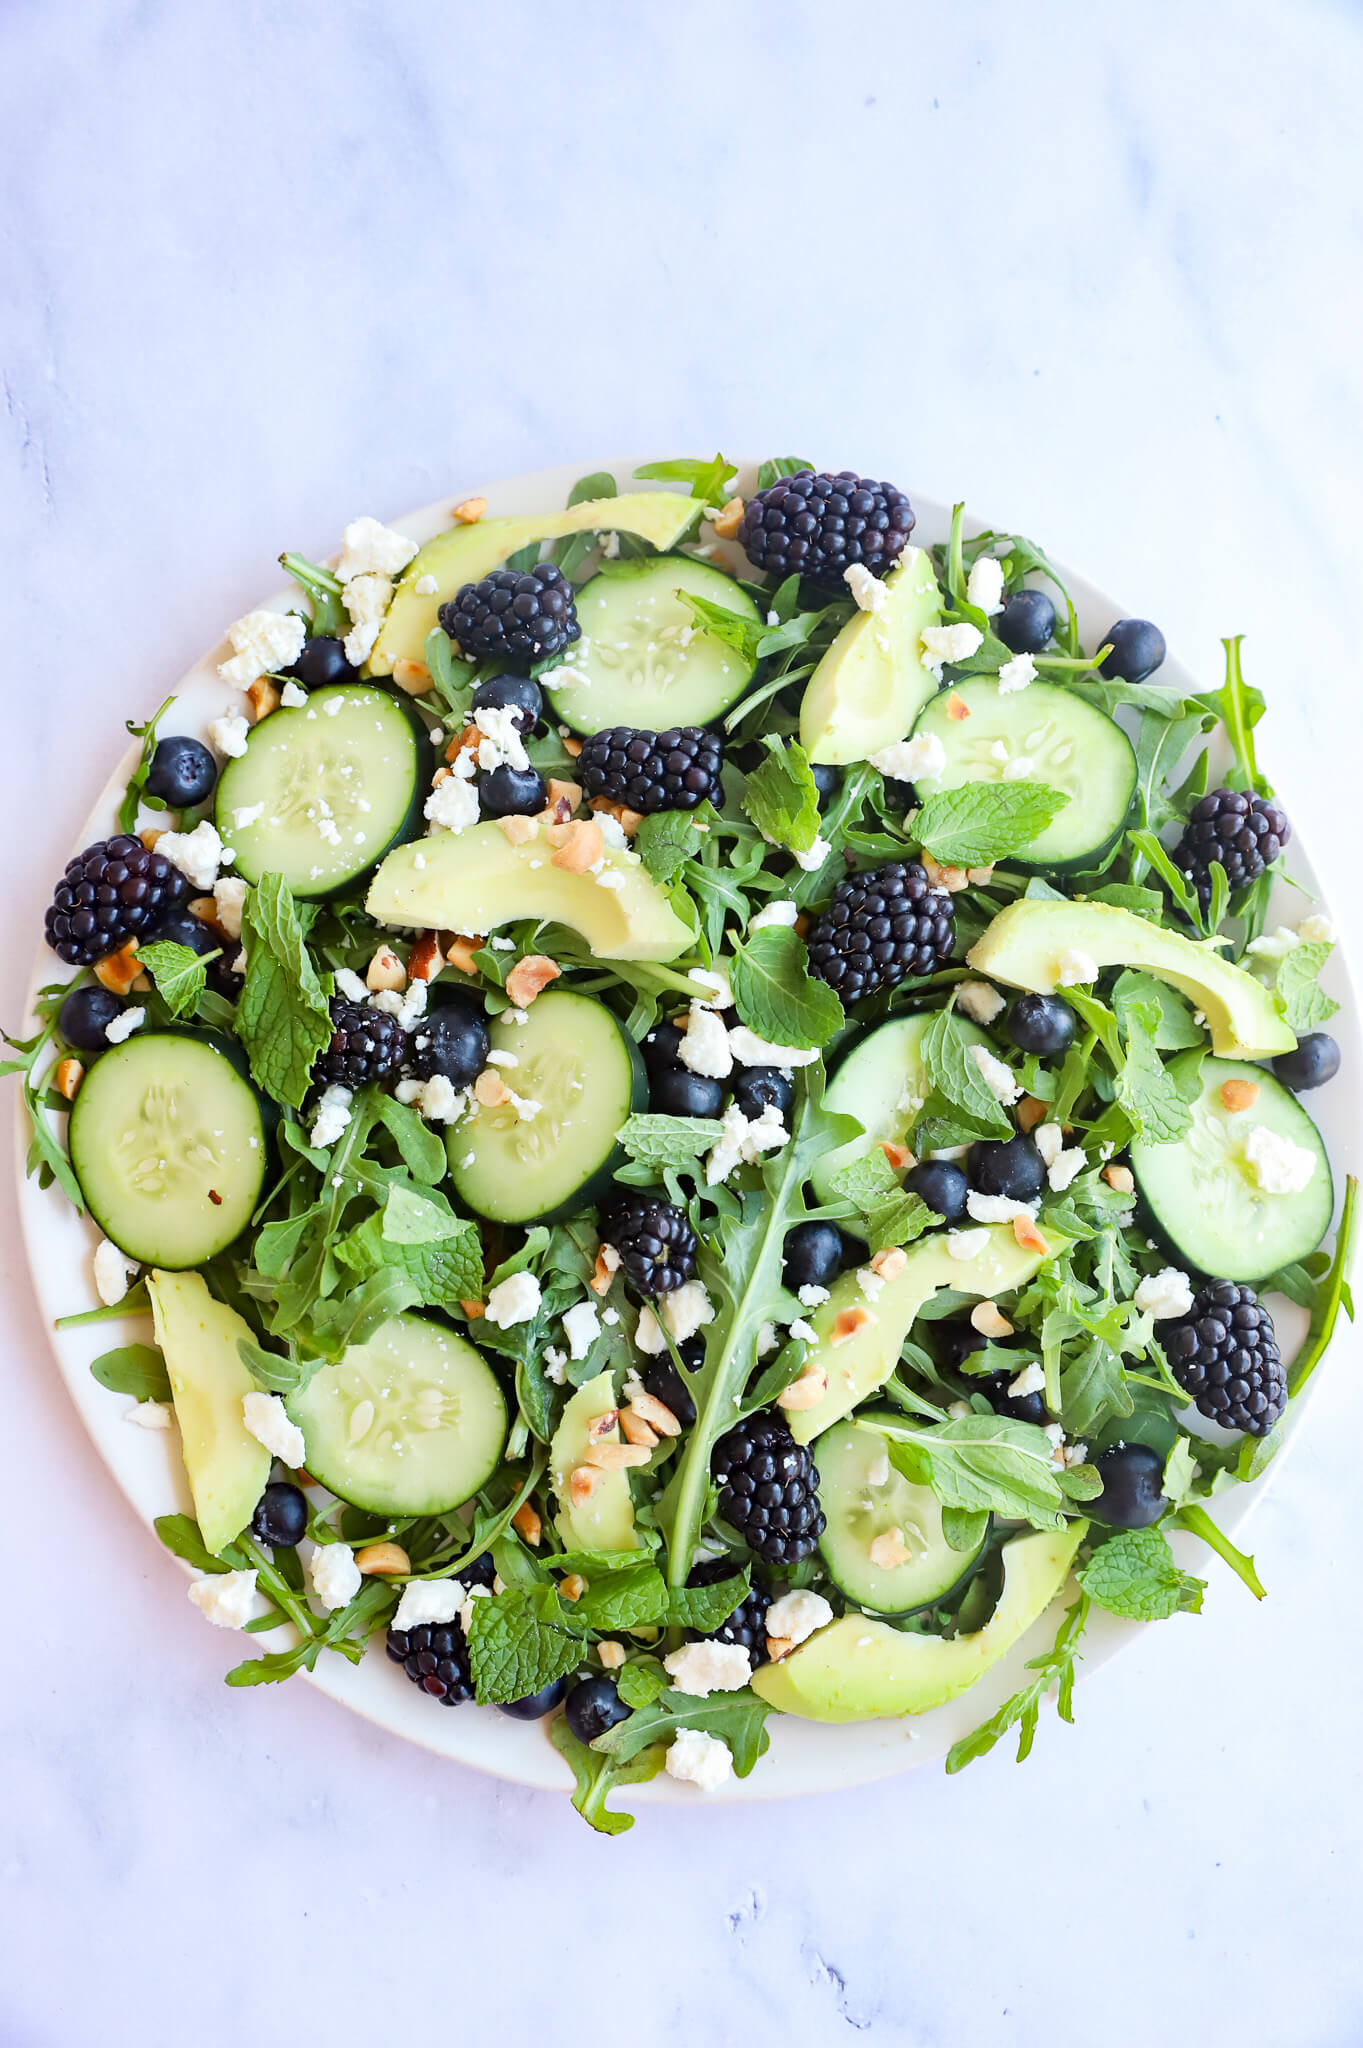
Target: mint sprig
[[776, 995], [981, 822], [1136, 1575], [283, 1019]]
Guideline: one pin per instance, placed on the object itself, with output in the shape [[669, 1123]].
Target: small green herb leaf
[[179, 972], [983, 821], [282, 1018], [781, 798], [707, 1607], [1134, 1574], [668, 839], [775, 993], [1303, 1003], [656, 1140], [134, 1369]]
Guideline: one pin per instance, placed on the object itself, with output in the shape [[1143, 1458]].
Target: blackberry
[[515, 619], [113, 892], [769, 1489], [1243, 832], [453, 1041], [817, 525], [435, 1656], [657, 1245], [1224, 1353], [748, 1622], [882, 925], [366, 1045], [652, 771]]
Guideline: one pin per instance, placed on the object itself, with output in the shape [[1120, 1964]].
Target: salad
[[704, 1109]]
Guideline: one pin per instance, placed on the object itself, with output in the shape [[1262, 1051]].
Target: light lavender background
[[1095, 269]]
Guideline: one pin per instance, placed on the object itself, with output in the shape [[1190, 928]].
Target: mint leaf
[[445, 1270], [780, 797], [641, 1681], [891, 1215], [708, 481], [776, 995], [707, 1607], [865, 1181], [668, 839], [519, 1641], [134, 1369], [983, 821], [1054, 1667], [633, 1598], [738, 1718], [743, 634], [954, 1081], [179, 972], [657, 1140], [1174, 1029], [981, 1462], [1145, 1088], [1134, 1574], [282, 1018], [1304, 1005], [964, 1528]]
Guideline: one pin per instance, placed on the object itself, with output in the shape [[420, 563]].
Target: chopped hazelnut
[[529, 977]]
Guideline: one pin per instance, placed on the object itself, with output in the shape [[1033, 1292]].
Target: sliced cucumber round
[[880, 1081], [869, 1505], [549, 1149], [643, 660], [168, 1144], [1202, 1191], [411, 1423], [324, 790], [1041, 734]]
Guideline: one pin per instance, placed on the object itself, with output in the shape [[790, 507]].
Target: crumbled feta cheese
[[1075, 1454], [452, 805], [998, 1078], [612, 831], [958, 1410], [782, 911], [197, 854], [795, 1616], [113, 1270], [813, 857], [124, 1024], [367, 599], [1274, 946], [1066, 1167], [229, 897], [1031, 1380], [1318, 928], [1055, 1435], [555, 1363], [705, 1667], [226, 1599], [768, 1340], [291, 697], [979, 1001], [871, 1283], [751, 1051], [438, 1101], [810, 1296], [686, 1310], [1019, 769], [501, 743], [704, 1045], [996, 1208], [878, 1471], [1016, 674], [331, 1118], [699, 1759], [648, 1334], [150, 1415], [949, 643], [434, 1602], [351, 986], [806, 1332], [227, 735], [367, 545], [262, 643], [336, 1578], [868, 592], [920, 759], [515, 1300], [1049, 1140], [984, 585], [721, 996], [1279, 1166], [265, 1419], [246, 814], [743, 1140], [966, 1244], [426, 586], [582, 1327], [1166, 1294], [1074, 968]]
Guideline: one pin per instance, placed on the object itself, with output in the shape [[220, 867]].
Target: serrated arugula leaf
[[282, 1017], [180, 974], [1303, 1003], [520, 1641], [956, 1086], [323, 591], [981, 1462], [736, 1718], [776, 995], [1131, 896], [982, 822], [656, 1140], [423, 1152], [707, 1607], [134, 1369], [707, 481], [743, 634], [595, 1777], [136, 791], [181, 1536], [1055, 1667], [1135, 1574], [668, 839], [781, 798], [1239, 707]]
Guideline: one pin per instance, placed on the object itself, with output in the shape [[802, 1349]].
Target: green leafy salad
[[704, 1109]]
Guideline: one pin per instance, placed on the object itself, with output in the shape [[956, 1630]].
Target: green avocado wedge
[[604, 1520], [465, 554], [1026, 943], [859, 1669], [226, 1467], [864, 1361], [872, 683], [476, 881]]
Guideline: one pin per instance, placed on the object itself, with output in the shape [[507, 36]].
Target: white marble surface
[[1096, 270]]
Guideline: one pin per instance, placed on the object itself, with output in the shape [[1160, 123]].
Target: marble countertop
[[265, 269]]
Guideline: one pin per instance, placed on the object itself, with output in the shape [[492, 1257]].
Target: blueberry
[[536, 1705], [676, 1091], [827, 780], [281, 1516], [1137, 650], [592, 1707], [508, 792], [899, 796], [1021, 1407], [813, 1256], [516, 693], [452, 1040], [1132, 1476], [942, 1186], [83, 1016], [182, 772], [323, 662], [759, 1088], [958, 1341], [1011, 1167], [665, 1383], [1315, 1061], [1026, 622], [223, 978], [1040, 1024], [660, 1047], [179, 928]]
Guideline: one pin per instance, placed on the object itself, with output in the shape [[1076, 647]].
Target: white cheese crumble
[[292, 697], [501, 743], [1049, 1140], [1075, 968], [996, 1208], [1065, 1167], [1019, 769], [452, 805], [696, 1758], [367, 599], [367, 545], [979, 1001], [227, 734], [806, 1332], [1165, 1294], [922, 758], [751, 1051], [336, 1578], [966, 1244], [795, 1616], [438, 1101], [949, 643], [705, 1667], [124, 1024], [515, 1300], [998, 1078], [868, 592], [265, 1419], [262, 643], [555, 1364], [246, 814], [197, 854], [704, 1045], [429, 1601], [150, 1414], [768, 1340], [743, 1140], [813, 857], [229, 897], [351, 986], [984, 585], [1274, 946], [333, 1114], [227, 1599], [113, 1270], [721, 996], [812, 1296], [581, 1326], [426, 586], [1318, 928], [1016, 674], [1279, 1166], [782, 911], [1031, 1380]]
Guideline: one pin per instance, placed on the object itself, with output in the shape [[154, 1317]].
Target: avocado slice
[[871, 685], [858, 1669], [465, 554], [605, 1520], [1026, 943], [227, 1468], [864, 1361], [476, 881]]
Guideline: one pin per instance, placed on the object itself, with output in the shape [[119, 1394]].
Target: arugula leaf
[[776, 995], [520, 1641], [179, 972], [597, 1776], [454, 679], [738, 1718], [46, 1156], [707, 1607], [781, 798], [982, 822], [964, 1528], [323, 591], [656, 1140], [668, 839], [1334, 1294], [707, 481], [423, 1152], [1055, 1667], [981, 1462], [955, 1082], [1132, 896], [1239, 707], [1303, 1004], [743, 634], [1135, 1574], [1199, 1523], [134, 1369], [136, 792], [181, 1535], [282, 1017]]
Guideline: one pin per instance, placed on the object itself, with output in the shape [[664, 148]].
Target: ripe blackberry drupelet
[[881, 926], [113, 892], [657, 1245], [652, 771], [769, 1489], [366, 1045], [515, 619], [435, 1656], [816, 525], [748, 1622], [1243, 832], [1224, 1352]]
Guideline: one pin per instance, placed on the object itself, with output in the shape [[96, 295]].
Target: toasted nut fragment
[[573, 1587], [460, 951], [263, 698], [612, 1654], [464, 742], [518, 830], [118, 971], [801, 926], [529, 976], [490, 1089], [629, 821], [572, 744], [957, 708], [601, 1275], [67, 1078], [849, 1321], [953, 880], [581, 846], [383, 1560], [1030, 1113], [1028, 1236], [385, 970], [569, 793], [989, 1320], [980, 876], [412, 676], [1120, 1179], [1239, 1094], [583, 1481], [899, 1156], [727, 521], [636, 1430], [150, 837], [469, 511], [473, 1309], [425, 959], [889, 1549], [527, 1524], [779, 1647], [656, 1413], [141, 985], [805, 1392], [612, 1457], [205, 908], [891, 1262], [601, 1425]]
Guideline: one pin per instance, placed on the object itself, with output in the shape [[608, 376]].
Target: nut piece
[[612, 1654], [580, 846], [600, 1426], [957, 708], [891, 1262], [263, 698], [490, 1089], [779, 1647], [1120, 1179], [1030, 1113], [1239, 1094], [385, 970], [573, 1587], [603, 1271], [988, 1319], [67, 1078], [655, 1412], [583, 1481], [469, 511], [629, 821], [518, 830], [889, 1549], [849, 1321], [473, 1309], [805, 1392], [564, 797], [899, 1156], [953, 880], [463, 742], [727, 521], [979, 876], [1028, 1236], [425, 959], [383, 1560], [150, 837], [460, 951], [637, 1431], [205, 908], [412, 676], [527, 1524], [118, 971], [613, 1457], [529, 976]]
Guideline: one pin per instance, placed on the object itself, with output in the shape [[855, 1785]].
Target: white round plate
[[803, 1757]]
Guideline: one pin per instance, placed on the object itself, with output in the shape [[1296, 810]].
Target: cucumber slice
[[168, 1145], [1069, 745], [323, 791], [880, 1082], [411, 1423], [578, 1064], [1202, 1192], [642, 659], [864, 1498]]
